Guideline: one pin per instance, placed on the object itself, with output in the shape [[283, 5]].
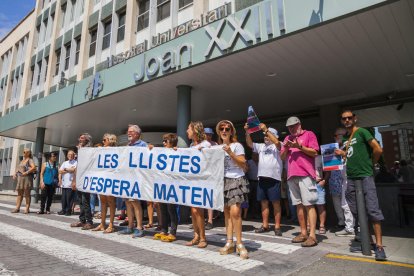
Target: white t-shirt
[[270, 164], [68, 177], [203, 144], [231, 170]]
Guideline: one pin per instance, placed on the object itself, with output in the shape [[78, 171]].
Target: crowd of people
[[281, 174]]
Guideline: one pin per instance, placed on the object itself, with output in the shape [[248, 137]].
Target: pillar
[[38, 152], [183, 113]]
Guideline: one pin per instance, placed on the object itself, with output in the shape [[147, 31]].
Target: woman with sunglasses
[[48, 177], [235, 187], [24, 176], [195, 132], [168, 211], [108, 140]]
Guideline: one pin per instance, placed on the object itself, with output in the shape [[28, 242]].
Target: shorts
[[321, 195], [303, 190], [268, 189], [371, 200]]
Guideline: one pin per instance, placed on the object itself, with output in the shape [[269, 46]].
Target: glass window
[[184, 3], [67, 56], [72, 10], [39, 66], [92, 46], [121, 27], [78, 42], [63, 15], [32, 72], [143, 17], [106, 40], [57, 62], [163, 9], [45, 65]]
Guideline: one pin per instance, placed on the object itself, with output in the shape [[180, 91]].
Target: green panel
[[33, 61], [101, 66], [11, 109], [120, 4], [46, 14], [58, 42], [93, 19], [1, 153], [52, 89], [1, 83], [6, 153], [38, 20], [63, 2], [12, 73], [34, 98], [41, 95], [6, 112], [78, 30], [68, 36], [242, 4], [72, 79], [47, 51], [53, 9], [106, 11], [88, 72], [27, 101], [17, 71], [6, 78], [39, 56]]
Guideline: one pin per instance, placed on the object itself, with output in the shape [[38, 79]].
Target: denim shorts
[[268, 189], [321, 195]]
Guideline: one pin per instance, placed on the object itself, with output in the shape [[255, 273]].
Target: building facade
[[73, 66]]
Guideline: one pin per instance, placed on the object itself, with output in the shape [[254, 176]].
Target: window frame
[[91, 32], [160, 6], [67, 56], [106, 37], [121, 28], [184, 6], [143, 15], [57, 64], [77, 49]]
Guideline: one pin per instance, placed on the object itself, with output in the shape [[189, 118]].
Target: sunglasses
[[227, 129], [165, 141], [347, 118]]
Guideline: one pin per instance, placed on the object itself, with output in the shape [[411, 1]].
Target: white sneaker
[[344, 233]]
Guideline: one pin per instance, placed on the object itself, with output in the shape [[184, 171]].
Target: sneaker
[[344, 233], [138, 233], [68, 214], [278, 232], [127, 231], [61, 213], [209, 226], [380, 254]]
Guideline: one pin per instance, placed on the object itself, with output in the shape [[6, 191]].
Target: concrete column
[[130, 24], [330, 120], [183, 113], [38, 153]]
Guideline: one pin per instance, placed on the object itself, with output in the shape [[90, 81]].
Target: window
[[67, 56], [184, 3], [45, 65], [72, 10], [57, 63], [32, 73], [121, 27], [106, 40], [78, 42], [39, 66], [163, 9], [92, 46], [63, 15], [143, 17]]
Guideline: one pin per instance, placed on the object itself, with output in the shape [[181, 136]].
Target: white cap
[[273, 131], [292, 121]]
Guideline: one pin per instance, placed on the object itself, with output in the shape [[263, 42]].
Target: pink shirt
[[300, 164]]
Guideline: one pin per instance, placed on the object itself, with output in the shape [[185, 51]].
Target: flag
[[252, 120]]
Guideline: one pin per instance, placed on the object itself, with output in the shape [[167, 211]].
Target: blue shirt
[[138, 143]]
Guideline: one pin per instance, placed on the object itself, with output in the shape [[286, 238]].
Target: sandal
[[100, 227], [26, 212], [109, 230], [15, 211], [322, 230], [159, 236], [227, 248], [193, 242], [262, 229], [148, 226], [299, 238], [202, 244], [310, 242], [242, 251], [168, 238]]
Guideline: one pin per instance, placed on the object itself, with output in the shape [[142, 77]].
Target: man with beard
[[269, 173], [85, 215], [300, 149], [361, 152], [134, 208]]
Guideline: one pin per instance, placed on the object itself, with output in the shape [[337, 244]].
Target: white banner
[[184, 176]]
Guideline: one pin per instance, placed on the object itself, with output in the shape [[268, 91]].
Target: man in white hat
[[300, 149], [269, 174]]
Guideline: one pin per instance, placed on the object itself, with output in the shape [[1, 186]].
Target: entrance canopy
[[361, 59]]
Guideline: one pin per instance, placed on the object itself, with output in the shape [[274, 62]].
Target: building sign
[[122, 57], [95, 86]]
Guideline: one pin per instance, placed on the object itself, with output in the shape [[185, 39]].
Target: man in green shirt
[[361, 152]]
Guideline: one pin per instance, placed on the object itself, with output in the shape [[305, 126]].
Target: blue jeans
[[94, 198]]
